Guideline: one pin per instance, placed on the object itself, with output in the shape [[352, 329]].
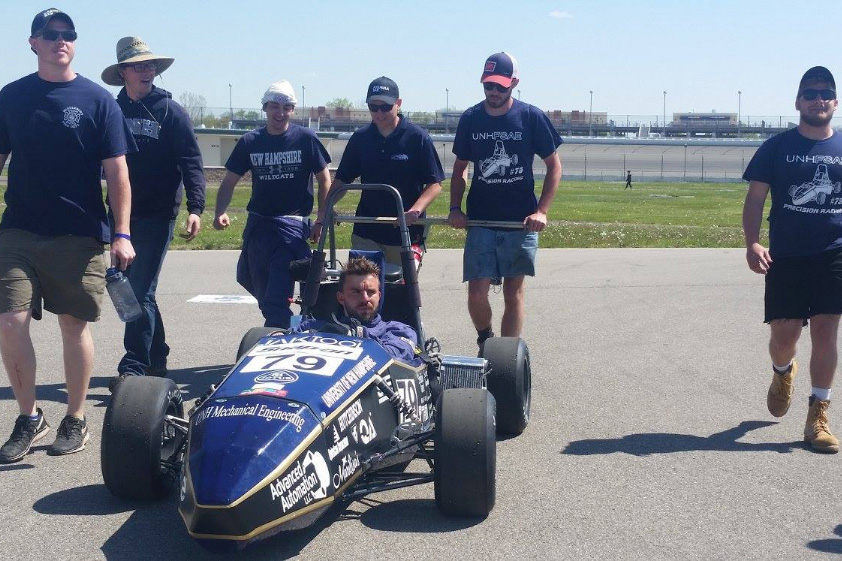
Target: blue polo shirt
[[406, 160], [58, 133], [805, 179], [502, 149]]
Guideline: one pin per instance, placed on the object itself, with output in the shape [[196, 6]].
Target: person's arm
[[400, 341], [120, 199], [458, 182], [223, 199], [757, 256], [189, 161], [538, 220], [427, 196], [323, 178]]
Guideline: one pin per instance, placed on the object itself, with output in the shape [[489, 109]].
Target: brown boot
[[817, 429], [779, 397]]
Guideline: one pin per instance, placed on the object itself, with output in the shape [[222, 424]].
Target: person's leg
[[78, 349], [479, 307], [19, 358], [158, 349], [824, 329], [280, 286], [783, 339], [513, 314]]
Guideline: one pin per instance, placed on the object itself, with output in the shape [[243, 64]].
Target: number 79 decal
[[298, 362]]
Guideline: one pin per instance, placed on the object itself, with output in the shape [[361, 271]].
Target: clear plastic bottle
[[121, 293]]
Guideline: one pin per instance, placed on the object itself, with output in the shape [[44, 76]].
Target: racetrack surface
[[650, 437]]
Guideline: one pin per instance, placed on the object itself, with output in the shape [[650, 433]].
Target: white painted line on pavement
[[223, 299]]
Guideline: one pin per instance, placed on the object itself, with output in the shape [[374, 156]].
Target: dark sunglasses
[[492, 86], [54, 34], [810, 94], [385, 108], [141, 66]]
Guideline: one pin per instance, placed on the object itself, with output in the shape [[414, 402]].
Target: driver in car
[[359, 295]]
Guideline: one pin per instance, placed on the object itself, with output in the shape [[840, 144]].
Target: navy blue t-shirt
[[58, 133], [806, 186], [502, 150], [406, 160], [282, 168]]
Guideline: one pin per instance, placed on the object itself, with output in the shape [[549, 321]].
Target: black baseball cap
[[43, 18], [382, 89], [817, 74]]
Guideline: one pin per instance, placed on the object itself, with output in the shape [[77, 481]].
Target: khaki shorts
[[66, 272]]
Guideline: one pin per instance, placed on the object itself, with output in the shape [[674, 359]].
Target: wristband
[[124, 236], [459, 208]]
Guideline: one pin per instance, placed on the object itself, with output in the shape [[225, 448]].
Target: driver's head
[[359, 289]]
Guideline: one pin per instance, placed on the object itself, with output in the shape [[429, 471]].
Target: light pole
[[303, 90], [230, 106], [665, 113], [446, 110], [590, 117], [739, 112]]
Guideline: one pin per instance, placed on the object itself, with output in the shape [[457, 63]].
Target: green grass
[[584, 214]]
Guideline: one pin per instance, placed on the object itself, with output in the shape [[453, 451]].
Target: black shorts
[[805, 286]]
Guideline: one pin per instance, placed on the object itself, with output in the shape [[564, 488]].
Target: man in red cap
[[501, 137]]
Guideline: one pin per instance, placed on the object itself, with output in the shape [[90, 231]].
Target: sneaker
[[72, 437], [817, 430], [779, 397], [25, 434]]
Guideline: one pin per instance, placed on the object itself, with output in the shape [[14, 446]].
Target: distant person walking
[[802, 168], [501, 136], [628, 180]]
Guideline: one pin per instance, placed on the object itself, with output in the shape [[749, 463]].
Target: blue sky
[[627, 52]]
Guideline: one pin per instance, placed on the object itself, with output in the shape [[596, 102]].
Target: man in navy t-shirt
[[501, 137], [282, 158], [802, 169], [61, 130], [393, 151]]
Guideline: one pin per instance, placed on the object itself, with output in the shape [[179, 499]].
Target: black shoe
[[24, 435], [72, 436], [483, 337], [115, 381], [156, 371]]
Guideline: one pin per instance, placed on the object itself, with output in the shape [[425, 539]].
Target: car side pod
[[142, 438], [510, 381], [465, 456]]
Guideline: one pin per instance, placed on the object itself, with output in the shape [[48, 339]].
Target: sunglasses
[[54, 34], [141, 66], [492, 86], [810, 94], [385, 108]]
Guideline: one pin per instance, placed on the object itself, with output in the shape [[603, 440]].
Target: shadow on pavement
[[412, 516], [833, 545], [644, 444]]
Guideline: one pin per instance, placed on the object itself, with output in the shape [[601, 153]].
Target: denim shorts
[[497, 254]]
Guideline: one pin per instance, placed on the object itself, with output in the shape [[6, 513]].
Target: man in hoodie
[[168, 156], [283, 158]]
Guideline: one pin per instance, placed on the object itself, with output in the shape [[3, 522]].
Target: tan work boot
[[780, 391], [817, 430]]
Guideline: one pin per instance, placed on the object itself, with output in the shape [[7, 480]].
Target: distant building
[[702, 119], [565, 118]]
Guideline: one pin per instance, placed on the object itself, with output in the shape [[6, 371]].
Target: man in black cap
[[802, 168], [62, 130], [393, 151]]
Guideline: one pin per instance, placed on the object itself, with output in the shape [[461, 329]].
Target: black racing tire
[[133, 436], [465, 460], [510, 381], [251, 338]]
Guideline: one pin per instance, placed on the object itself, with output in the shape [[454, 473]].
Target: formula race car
[[305, 420]]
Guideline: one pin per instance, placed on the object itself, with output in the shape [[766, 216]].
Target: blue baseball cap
[[500, 68]]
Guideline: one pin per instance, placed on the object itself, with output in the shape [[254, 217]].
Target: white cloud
[[558, 14]]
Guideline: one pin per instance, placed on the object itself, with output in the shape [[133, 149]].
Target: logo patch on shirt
[[400, 157], [72, 117]]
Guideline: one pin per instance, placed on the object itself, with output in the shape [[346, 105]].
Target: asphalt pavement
[[649, 439]]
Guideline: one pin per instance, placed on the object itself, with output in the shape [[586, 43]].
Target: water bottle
[[120, 290]]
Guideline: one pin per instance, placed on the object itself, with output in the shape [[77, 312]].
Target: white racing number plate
[[311, 354]]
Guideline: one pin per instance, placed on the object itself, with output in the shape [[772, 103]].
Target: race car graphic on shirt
[[816, 190], [498, 163]]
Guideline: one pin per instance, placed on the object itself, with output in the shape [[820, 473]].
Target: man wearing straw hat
[[283, 158], [168, 157], [501, 136], [62, 131]]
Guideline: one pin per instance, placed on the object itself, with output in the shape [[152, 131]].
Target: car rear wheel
[[251, 338], [137, 440], [465, 453], [510, 381]]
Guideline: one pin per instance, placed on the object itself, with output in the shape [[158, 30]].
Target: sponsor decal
[[367, 432], [409, 393], [281, 376], [315, 345], [337, 448], [306, 481], [182, 490], [72, 116], [354, 434], [270, 389], [349, 415], [347, 466], [262, 411], [338, 390]]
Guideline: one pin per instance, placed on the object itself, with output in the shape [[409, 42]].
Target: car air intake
[[463, 372]]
